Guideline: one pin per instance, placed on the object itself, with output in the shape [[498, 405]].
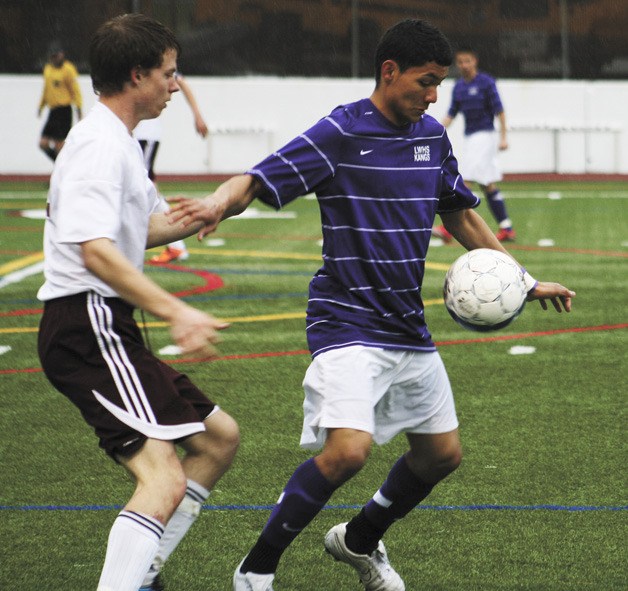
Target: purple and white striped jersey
[[479, 102], [379, 188]]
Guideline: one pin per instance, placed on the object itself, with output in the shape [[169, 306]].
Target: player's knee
[[436, 468], [167, 486], [446, 464], [229, 439], [221, 440], [344, 462], [452, 461]]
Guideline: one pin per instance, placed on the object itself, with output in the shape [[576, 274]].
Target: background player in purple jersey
[[381, 169], [475, 95], [103, 212]]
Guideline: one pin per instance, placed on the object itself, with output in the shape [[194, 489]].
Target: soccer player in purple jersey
[[381, 169], [475, 95]]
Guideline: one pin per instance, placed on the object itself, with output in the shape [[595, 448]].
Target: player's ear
[[389, 67], [136, 75]]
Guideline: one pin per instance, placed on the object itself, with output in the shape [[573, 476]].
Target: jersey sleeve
[[302, 165], [90, 197], [494, 100], [454, 106], [454, 193]]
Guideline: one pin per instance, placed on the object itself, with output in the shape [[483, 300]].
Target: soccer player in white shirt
[[103, 212]]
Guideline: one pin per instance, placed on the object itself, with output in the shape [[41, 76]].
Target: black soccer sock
[[362, 536], [50, 152], [400, 493], [305, 494], [497, 206], [262, 559]]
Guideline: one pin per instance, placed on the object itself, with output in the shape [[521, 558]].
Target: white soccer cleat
[[252, 581], [374, 569]]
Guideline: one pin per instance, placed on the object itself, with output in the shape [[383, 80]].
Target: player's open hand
[[189, 211], [196, 333], [559, 295]]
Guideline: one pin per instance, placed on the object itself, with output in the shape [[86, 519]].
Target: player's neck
[[120, 106]]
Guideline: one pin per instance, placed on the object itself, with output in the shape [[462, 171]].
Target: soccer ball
[[484, 290]]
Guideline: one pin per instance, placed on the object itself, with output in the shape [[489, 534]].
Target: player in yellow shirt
[[61, 91]]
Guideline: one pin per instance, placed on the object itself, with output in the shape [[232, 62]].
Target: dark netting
[[576, 39]]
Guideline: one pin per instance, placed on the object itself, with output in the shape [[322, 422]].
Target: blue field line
[[568, 508]]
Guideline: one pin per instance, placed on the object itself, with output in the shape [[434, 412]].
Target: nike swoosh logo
[[363, 152], [288, 528]]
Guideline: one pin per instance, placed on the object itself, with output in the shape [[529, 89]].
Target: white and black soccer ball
[[484, 290]]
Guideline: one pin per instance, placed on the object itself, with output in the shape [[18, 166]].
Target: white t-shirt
[[148, 129], [99, 189]]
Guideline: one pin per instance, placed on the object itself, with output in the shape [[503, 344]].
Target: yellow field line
[[256, 254], [18, 330], [21, 263], [36, 257], [233, 319], [284, 255]]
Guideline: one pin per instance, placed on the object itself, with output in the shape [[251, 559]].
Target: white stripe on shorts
[[122, 370]]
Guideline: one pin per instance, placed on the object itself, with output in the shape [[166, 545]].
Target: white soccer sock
[[133, 543], [179, 524]]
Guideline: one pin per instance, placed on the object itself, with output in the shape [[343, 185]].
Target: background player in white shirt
[[103, 212]]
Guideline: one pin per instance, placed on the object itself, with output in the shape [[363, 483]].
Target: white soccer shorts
[[382, 392], [479, 160]]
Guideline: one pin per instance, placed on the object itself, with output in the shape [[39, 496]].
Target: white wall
[[556, 126]]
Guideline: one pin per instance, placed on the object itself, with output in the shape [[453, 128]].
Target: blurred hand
[[196, 333], [557, 294], [188, 211], [201, 126]]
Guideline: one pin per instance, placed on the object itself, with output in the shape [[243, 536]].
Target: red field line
[[602, 253], [525, 335], [545, 333], [211, 281], [25, 312]]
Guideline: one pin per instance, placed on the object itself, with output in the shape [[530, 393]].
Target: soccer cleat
[[170, 254], [373, 569], [442, 233], [505, 235], [156, 585], [252, 581]]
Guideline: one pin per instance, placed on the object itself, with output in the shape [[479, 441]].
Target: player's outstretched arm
[[231, 198], [559, 295], [199, 122], [472, 232]]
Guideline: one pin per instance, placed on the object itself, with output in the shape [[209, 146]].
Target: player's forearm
[[447, 121], [162, 231], [103, 259], [503, 128], [234, 195], [471, 230]]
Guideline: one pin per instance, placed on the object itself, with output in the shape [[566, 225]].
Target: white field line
[[18, 276]]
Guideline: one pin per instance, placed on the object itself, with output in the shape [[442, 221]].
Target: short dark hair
[[412, 42], [123, 43], [466, 49]]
